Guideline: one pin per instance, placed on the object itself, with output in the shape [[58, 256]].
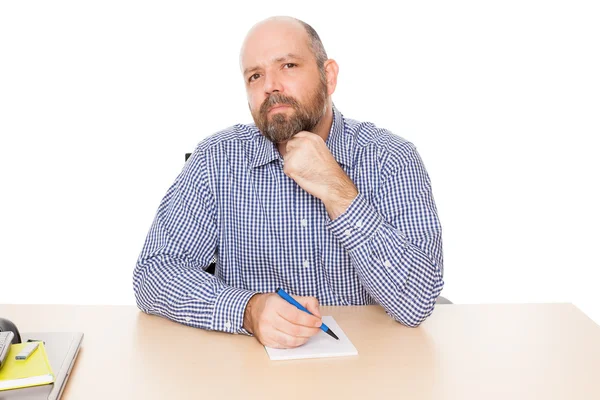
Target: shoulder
[[380, 143], [217, 150], [235, 135]]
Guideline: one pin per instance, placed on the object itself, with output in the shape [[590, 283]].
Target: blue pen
[[293, 302]]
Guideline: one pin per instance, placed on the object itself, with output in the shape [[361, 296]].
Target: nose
[[272, 84]]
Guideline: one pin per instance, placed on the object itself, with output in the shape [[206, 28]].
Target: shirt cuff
[[229, 310], [357, 224]]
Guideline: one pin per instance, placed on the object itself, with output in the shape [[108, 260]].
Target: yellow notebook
[[34, 371]]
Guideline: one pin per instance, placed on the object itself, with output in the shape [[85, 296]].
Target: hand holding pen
[[277, 323], [282, 293]]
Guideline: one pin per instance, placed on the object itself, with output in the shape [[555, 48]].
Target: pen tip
[[333, 335]]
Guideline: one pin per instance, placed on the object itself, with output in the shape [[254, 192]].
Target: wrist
[[338, 200], [248, 320]]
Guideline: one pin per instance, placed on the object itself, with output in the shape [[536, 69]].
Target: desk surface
[[549, 351]]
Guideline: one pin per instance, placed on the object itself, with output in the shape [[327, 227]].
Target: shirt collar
[[264, 151], [338, 140], [337, 143]]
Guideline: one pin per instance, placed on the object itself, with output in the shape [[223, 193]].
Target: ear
[[331, 73]]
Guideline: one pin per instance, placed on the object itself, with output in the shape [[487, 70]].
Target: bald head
[[286, 28]]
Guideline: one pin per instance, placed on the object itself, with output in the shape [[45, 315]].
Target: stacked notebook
[[33, 371]]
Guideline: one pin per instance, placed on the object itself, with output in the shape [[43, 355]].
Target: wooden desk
[[544, 351]]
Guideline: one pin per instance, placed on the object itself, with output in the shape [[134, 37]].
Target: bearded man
[[334, 211]]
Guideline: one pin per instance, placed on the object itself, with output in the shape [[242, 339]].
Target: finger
[[298, 317], [293, 143], [302, 138], [303, 134], [295, 330], [310, 303], [309, 137], [282, 340], [288, 156]]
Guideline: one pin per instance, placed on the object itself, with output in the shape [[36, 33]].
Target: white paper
[[318, 346]]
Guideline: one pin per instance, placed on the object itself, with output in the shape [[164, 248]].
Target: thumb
[[311, 304]]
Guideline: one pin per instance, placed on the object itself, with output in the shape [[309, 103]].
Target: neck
[[322, 129]]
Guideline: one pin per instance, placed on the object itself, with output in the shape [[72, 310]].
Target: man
[[335, 211]]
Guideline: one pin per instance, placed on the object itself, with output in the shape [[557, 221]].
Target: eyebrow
[[289, 56]]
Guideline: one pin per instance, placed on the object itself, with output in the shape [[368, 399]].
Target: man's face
[[286, 92]]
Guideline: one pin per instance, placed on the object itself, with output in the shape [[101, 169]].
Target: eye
[[290, 65], [253, 77]]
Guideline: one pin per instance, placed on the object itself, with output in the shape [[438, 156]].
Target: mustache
[[275, 99]]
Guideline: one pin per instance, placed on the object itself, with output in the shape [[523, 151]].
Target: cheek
[[254, 101], [300, 90]]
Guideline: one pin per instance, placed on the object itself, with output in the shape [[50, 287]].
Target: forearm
[[188, 295], [403, 276], [399, 275], [340, 194]]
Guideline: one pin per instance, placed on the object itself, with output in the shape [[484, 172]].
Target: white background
[[99, 101]]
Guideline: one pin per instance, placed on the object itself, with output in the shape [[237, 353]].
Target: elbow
[[143, 295], [413, 312], [412, 323], [412, 319]]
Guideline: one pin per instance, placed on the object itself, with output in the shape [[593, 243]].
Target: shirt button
[[306, 264], [227, 325], [359, 224], [348, 232], [387, 264], [187, 319], [304, 222]]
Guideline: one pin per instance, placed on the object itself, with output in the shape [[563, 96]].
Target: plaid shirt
[[233, 204]]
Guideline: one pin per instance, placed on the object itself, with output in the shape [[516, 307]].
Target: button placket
[[304, 257]]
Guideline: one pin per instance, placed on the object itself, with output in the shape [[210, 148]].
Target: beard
[[304, 117]]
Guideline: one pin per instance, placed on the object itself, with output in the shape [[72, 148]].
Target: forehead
[[272, 40]]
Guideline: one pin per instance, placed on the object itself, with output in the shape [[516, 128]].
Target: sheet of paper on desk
[[318, 346]]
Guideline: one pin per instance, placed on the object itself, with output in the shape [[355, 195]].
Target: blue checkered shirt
[[232, 204]]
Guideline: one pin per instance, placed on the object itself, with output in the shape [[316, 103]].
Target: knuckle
[[313, 322], [291, 341], [272, 302], [301, 318], [307, 320], [287, 341], [269, 300], [294, 331]]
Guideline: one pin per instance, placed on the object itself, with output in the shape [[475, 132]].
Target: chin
[[282, 113]]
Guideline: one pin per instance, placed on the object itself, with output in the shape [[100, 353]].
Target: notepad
[[318, 346], [33, 371]]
